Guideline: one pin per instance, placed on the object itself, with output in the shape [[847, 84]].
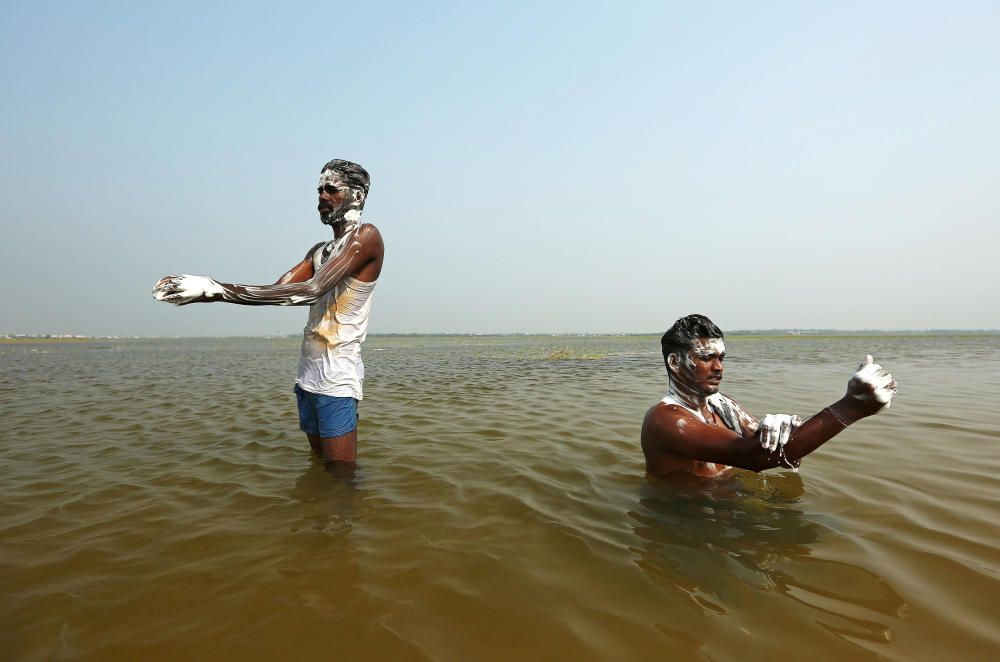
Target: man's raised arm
[[672, 429], [362, 248]]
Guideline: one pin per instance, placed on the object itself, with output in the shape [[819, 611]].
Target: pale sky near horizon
[[542, 167]]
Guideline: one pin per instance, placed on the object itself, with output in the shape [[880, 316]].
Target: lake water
[[159, 502]]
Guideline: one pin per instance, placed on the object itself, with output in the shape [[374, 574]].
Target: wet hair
[[680, 337], [351, 174]]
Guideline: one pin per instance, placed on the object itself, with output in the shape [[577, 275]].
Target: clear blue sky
[[536, 167]]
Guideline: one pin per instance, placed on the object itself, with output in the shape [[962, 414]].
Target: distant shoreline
[[14, 341], [743, 334]]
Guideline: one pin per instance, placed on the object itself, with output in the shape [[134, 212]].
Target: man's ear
[[673, 362]]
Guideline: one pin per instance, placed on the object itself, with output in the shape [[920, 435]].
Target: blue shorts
[[326, 415]]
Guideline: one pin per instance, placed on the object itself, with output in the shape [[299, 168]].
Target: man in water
[[696, 429], [336, 279]]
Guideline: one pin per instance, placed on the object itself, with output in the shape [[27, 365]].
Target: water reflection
[[736, 545], [319, 560], [333, 498]]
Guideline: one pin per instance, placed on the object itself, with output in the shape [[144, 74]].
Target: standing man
[[335, 279], [696, 429]]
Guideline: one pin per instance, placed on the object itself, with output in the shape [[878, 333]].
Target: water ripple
[[499, 511]]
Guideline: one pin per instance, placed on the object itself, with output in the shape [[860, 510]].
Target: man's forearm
[[822, 427], [290, 294], [185, 289], [748, 453], [293, 294]]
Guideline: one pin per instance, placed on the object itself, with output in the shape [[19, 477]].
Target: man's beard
[[332, 218], [345, 222], [349, 215]]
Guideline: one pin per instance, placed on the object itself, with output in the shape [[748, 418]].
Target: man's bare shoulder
[[368, 230], [370, 237], [663, 422], [663, 438]]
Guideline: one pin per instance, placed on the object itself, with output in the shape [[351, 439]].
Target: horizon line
[[735, 332]]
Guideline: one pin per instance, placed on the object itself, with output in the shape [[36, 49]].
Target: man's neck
[[341, 228], [686, 396], [345, 224]]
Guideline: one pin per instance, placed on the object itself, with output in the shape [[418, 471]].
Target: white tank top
[[330, 363]]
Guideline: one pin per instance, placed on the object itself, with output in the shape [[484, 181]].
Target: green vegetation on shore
[[571, 355], [25, 341]]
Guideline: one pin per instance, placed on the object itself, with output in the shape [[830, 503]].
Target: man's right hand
[[184, 289], [775, 429], [871, 388]]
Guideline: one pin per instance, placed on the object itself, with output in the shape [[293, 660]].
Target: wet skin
[[371, 251], [700, 375], [674, 439], [301, 285], [694, 379], [304, 284], [341, 452]]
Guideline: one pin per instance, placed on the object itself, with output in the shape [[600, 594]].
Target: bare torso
[[659, 459]]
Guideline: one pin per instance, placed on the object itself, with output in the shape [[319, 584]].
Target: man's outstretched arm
[[676, 431], [362, 248]]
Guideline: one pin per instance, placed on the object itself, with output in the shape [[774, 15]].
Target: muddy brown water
[[158, 502]]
